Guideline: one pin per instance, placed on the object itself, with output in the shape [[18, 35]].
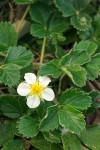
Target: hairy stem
[[22, 19], [60, 82], [43, 50]]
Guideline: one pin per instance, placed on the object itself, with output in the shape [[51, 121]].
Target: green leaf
[[14, 145], [96, 23], [96, 59], [95, 99], [52, 68], [8, 35], [76, 73], [75, 57], [70, 141], [92, 68], [39, 30], [71, 7], [9, 74], [40, 13], [58, 24], [6, 132], [28, 126], [59, 52], [95, 95], [88, 46], [24, 1], [19, 56], [12, 107], [53, 137], [3, 47], [50, 122], [81, 22], [75, 98], [91, 137], [41, 144], [71, 119]]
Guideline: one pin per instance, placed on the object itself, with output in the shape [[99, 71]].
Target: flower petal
[[48, 94], [33, 101], [44, 80], [23, 89], [30, 78]]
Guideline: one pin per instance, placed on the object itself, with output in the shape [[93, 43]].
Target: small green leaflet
[[91, 137], [76, 73], [14, 145], [70, 140], [71, 7], [75, 98], [10, 106], [71, 119], [75, 57], [8, 36], [93, 67], [88, 46], [52, 68], [6, 132], [50, 122], [9, 74], [28, 126], [81, 22], [53, 136], [41, 143], [19, 56]]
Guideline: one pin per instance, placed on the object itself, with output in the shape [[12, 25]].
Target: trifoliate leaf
[[10, 106], [50, 122], [88, 46], [75, 57], [76, 73], [81, 22], [70, 140], [39, 30], [28, 126], [71, 7], [9, 74], [40, 143], [40, 13], [6, 132], [14, 145], [91, 137], [71, 119], [19, 56], [8, 35], [24, 1], [52, 68], [53, 136], [75, 98]]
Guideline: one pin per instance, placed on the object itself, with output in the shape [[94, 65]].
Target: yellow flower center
[[36, 89]]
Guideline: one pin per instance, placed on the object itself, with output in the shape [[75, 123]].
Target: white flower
[[35, 89]]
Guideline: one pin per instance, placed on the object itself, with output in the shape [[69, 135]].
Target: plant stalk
[[22, 19], [43, 51]]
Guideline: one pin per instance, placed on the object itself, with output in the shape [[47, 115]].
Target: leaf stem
[[60, 82], [43, 50], [22, 19]]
